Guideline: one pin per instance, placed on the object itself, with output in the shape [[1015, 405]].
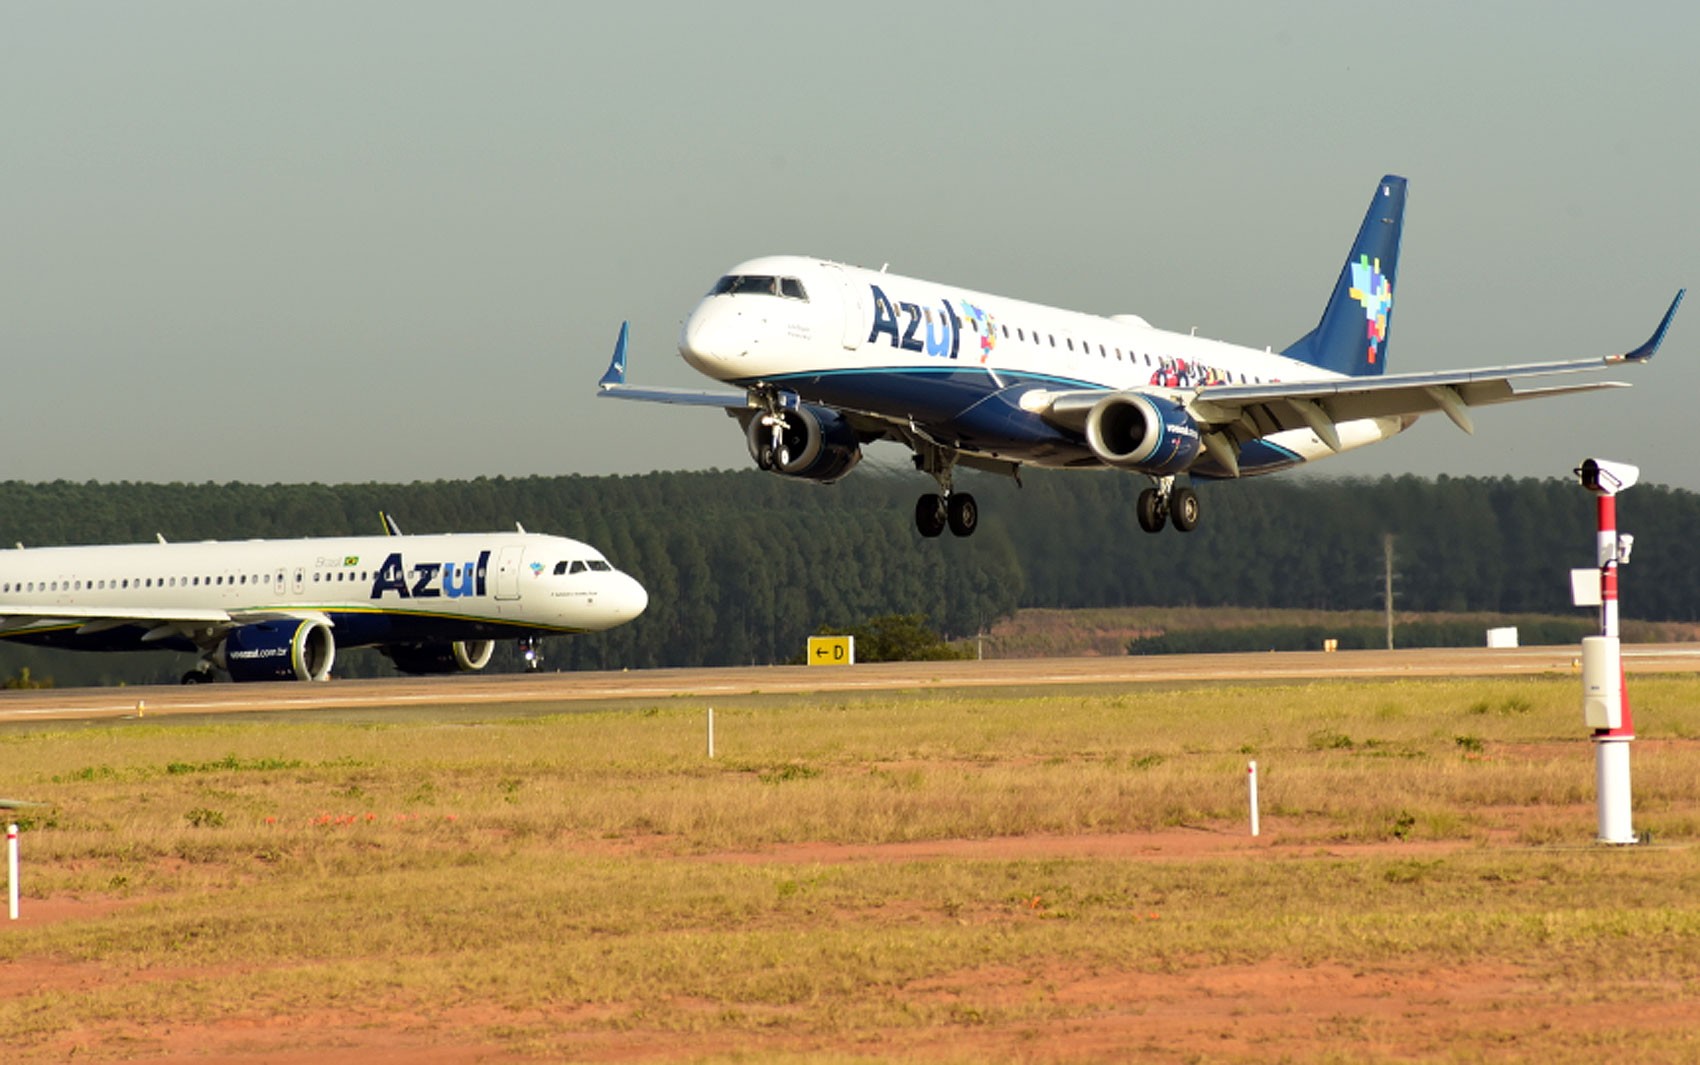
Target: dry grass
[[569, 877], [1036, 632]]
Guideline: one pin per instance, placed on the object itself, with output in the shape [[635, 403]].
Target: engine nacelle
[[279, 650], [1146, 433], [816, 444], [462, 656]]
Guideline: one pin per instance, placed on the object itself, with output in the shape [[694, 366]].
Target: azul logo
[[1374, 292], [988, 331], [431, 580], [902, 322]]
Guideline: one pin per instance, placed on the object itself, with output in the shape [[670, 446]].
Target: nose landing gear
[[531, 651]]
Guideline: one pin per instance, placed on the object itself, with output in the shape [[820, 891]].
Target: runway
[[538, 690]]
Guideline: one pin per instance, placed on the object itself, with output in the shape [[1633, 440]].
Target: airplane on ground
[[280, 609], [833, 357]]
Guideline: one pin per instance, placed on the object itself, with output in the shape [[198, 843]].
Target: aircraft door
[[855, 308], [507, 572]]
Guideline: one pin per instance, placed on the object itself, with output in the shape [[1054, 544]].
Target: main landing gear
[[946, 508], [1165, 504], [958, 511]]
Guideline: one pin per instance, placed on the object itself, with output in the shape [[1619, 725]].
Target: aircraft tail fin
[[1351, 338]]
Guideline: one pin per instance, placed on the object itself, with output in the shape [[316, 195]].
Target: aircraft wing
[[162, 621], [1264, 409]]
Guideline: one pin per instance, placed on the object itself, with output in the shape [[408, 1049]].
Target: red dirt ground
[[1211, 1012]]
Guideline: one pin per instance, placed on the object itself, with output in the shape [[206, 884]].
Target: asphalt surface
[[541, 690]]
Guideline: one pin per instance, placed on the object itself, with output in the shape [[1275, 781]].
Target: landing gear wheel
[[197, 676], [764, 458], [1150, 511], [1183, 509], [964, 514], [930, 515]]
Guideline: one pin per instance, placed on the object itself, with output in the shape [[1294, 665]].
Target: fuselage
[[373, 590], [968, 366]]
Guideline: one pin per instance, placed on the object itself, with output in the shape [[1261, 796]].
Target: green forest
[[741, 566]]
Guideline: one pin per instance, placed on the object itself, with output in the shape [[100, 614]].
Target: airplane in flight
[[832, 357], [280, 609]]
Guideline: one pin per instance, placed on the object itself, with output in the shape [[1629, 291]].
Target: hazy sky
[[394, 241]]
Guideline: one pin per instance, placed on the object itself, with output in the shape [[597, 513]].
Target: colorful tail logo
[[1375, 294]]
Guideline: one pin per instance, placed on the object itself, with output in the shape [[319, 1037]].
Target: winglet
[[616, 375], [1645, 351], [391, 526]]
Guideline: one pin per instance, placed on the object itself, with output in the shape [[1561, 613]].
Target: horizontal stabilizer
[[613, 385]]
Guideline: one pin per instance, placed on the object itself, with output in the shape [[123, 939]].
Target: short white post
[[711, 732], [12, 868], [1251, 775]]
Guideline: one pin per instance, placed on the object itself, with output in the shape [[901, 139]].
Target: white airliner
[[832, 357], [279, 609]]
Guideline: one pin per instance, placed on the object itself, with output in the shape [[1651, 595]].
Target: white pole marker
[[12, 868], [1251, 776]]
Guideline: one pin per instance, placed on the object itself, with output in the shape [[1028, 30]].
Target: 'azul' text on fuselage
[[903, 323], [431, 580]]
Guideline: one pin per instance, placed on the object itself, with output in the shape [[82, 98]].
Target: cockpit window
[[759, 285], [560, 568], [600, 566], [578, 566]]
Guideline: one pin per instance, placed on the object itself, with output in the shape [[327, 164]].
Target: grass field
[[1039, 632], [919, 876]]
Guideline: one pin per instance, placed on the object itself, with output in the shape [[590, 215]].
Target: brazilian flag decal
[[351, 560]]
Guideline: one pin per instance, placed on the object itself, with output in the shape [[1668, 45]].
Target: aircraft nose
[[710, 340], [627, 600]]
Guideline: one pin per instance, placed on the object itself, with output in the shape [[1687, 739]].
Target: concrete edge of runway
[[83, 704]]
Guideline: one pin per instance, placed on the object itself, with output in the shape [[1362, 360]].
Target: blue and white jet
[[280, 609], [832, 357]]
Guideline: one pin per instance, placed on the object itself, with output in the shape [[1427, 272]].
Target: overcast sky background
[[394, 241]]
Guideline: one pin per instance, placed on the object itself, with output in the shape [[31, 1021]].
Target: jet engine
[[287, 649], [462, 656], [814, 443], [1146, 433]]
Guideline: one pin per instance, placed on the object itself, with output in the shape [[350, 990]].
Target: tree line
[[741, 566]]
